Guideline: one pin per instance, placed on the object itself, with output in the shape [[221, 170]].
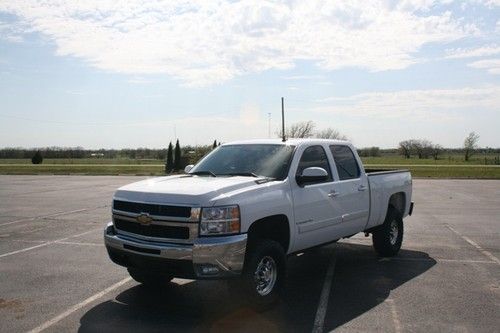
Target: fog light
[[210, 270]]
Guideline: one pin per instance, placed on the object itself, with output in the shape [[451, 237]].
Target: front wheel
[[387, 238], [264, 274]]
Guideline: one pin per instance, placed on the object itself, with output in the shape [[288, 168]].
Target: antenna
[[283, 118], [269, 125]]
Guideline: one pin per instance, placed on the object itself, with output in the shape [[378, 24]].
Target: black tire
[[387, 238], [263, 276], [149, 279]]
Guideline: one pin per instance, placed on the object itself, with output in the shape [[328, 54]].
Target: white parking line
[[477, 246], [80, 243], [319, 320], [462, 261], [395, 317], [78, 306], [27, 219], [45, 244]]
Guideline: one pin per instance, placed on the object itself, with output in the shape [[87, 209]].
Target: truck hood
[[185, 190]]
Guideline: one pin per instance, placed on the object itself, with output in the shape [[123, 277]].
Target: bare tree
[[330, 133], [422, 148], [303, 129], [417, 148], [405, 148], [425, 148], [470, 144], [436, 150]]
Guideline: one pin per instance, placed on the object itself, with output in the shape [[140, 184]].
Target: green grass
[[452, 166], [81, 169], [114, 161], [451, 171], [444, 160]]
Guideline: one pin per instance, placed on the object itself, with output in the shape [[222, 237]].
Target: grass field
[[445, 160], [451, 167], [65, 161]]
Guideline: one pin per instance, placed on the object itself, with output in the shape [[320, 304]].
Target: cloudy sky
[[99, 73]]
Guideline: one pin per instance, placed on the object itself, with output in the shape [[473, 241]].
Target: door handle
[[362, 188], [333, 193]]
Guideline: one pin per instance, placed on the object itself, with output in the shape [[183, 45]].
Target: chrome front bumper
[[207, 257]]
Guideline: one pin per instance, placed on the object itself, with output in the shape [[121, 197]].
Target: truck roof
[[291, 141]]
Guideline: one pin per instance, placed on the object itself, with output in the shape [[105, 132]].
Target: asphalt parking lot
[[55, 274]]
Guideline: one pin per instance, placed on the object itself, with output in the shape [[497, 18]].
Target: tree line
[[177, 157], [423, 148]]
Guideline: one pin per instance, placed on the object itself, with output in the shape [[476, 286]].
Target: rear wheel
[[264, 274], [387, 238], [149, 279]]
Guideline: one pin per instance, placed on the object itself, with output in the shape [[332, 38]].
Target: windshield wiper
[[247, 174], [203, 173]]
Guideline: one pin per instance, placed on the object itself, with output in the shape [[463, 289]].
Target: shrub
[[37, 158]]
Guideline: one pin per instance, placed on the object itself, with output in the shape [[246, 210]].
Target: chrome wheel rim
[[265, 276], [393, 233]]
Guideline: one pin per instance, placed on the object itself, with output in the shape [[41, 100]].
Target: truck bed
[[383, 184]]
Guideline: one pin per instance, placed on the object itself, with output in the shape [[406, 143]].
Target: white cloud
[[139, 80], [434, 105], [491, 65], [303, 77], [490, 3], [11, 33], [473, 52], [206, 42]]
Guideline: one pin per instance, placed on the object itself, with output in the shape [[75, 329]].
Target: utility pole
[[269, 125], [283, 118]]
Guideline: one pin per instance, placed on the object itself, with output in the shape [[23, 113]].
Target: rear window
[[347, 166]]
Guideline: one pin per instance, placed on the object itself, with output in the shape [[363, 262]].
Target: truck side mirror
[[188, 168], [311, 175]]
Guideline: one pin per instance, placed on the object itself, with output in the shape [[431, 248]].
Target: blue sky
[[141, 73]]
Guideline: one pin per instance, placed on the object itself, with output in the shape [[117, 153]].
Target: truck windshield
[[266, 160]]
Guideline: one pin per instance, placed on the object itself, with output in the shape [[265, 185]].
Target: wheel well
[[274, 227], [398, 201]]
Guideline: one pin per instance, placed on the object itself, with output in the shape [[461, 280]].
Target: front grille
[[152, 230], [152, 209]]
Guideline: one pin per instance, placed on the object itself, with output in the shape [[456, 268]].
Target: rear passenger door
[[315, 212], [351, 191]]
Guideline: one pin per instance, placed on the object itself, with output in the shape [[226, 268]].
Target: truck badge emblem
[[144, 219]]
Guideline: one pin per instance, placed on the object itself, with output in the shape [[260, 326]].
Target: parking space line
[[462, 261], [395, 317], [25, 241], [45, 244], [319, 320], [80, 243], [27, 219], [477, 246], [78, 306]]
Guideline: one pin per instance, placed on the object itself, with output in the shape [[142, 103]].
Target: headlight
[[220, 220]]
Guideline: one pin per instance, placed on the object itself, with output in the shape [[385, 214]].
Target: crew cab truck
[[244, 207]]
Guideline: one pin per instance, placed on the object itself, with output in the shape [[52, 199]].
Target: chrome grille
[[163, 223]]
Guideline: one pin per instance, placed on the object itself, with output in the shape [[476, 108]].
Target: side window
[[346, 163], [314, 156]]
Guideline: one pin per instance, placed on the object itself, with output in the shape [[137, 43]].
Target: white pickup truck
[[247, 205]]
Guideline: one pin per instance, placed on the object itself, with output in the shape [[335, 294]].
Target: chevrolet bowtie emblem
[[144, 219]]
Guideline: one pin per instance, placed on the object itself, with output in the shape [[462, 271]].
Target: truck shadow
[[361, 281]]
